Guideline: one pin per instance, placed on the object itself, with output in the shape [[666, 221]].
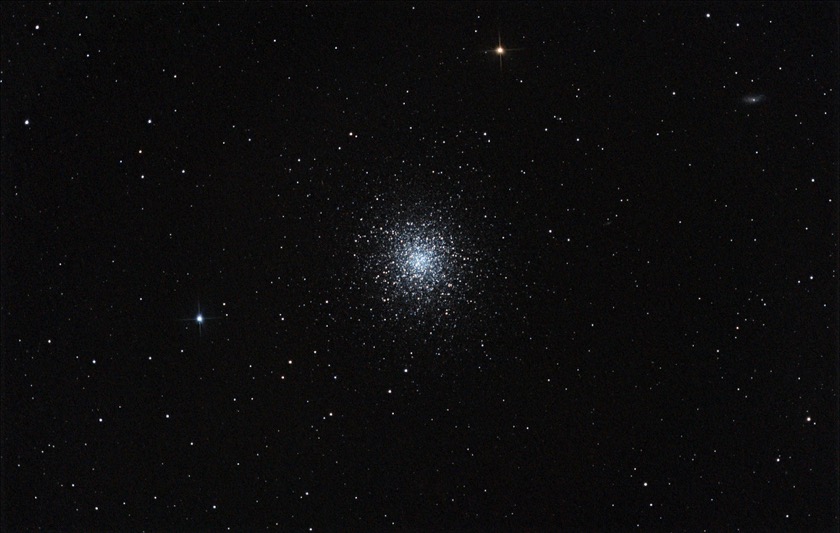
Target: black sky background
[[645, 327]]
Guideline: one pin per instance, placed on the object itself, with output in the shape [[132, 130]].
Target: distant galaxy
[[753, 99]]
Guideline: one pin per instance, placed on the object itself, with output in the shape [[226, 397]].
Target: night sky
[[373, 267]]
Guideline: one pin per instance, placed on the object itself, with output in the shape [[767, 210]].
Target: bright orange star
[[500, 50]]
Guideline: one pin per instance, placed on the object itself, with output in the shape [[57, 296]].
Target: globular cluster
[[424, 268]]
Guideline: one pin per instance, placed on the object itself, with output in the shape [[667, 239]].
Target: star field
[[419, 267]]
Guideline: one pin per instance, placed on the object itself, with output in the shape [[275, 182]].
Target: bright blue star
[[199, 319]]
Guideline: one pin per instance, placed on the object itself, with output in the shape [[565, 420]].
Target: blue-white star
[[199, 319]]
